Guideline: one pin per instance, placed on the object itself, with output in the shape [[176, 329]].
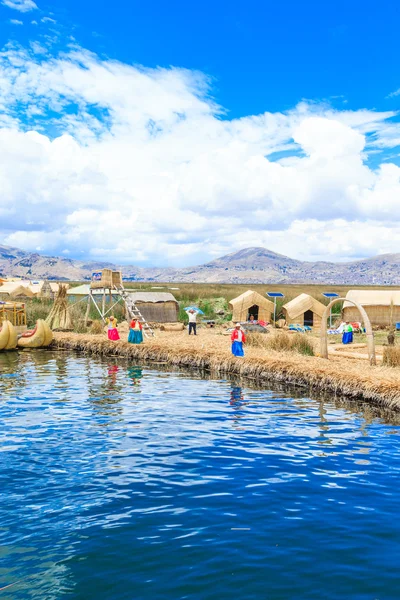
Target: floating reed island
[[356, 379]]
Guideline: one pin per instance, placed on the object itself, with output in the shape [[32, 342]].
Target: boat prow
[[40, 337], [8, 336]]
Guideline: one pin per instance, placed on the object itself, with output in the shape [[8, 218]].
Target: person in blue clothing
[[238, 338], [347, 337]]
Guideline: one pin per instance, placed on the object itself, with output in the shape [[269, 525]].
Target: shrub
[[391, 356], [37, 308]]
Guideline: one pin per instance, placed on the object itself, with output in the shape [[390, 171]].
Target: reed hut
[[304, 310], [251, 303], [15, 290], [47, 291], [106, 279], [156, 307], [381, 306]]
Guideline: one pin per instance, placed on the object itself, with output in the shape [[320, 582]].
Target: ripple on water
[[125, 482]]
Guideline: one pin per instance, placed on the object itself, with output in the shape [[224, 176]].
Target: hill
[[250, 265]]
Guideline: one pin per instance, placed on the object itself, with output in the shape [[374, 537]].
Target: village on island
[[355, 332]]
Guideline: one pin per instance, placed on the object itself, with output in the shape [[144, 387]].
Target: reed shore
[[209, 351]]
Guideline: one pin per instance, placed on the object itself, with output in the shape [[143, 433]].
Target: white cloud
[[16, 22], [21, 5], [140, 164], [48, 20]]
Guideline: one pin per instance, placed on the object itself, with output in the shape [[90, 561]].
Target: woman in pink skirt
[[112, 331]]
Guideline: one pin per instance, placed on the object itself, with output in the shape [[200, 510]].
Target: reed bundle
[[377, 385], [391, 356], [59, 317]]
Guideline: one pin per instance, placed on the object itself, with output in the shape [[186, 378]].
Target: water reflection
[[127, 477], [135, 374]]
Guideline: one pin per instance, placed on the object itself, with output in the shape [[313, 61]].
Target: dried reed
[[378, 385], [282, 342], [391, 356]]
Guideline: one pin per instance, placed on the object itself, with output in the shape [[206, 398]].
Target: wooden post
[[365, 320], [103, 304], [87, 311]]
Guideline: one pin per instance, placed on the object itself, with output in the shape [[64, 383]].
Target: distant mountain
[[250, 265]]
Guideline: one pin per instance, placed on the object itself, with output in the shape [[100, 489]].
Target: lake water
[[121, 482]]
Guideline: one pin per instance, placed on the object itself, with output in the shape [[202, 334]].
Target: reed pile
[[59, 317], [358, 380], [283, 342], [391, 356]]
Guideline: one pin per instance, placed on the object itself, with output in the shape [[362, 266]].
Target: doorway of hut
[[253, 310], [309, 318]]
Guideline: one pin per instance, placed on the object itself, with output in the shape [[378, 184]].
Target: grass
[[39, 308]]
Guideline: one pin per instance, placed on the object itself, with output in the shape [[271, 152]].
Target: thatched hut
[[106, 279], [304, 310], [14, 289], [251, 303], [381, 306], [156, 307]]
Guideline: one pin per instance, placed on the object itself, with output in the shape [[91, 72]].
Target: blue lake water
[[124, 482]]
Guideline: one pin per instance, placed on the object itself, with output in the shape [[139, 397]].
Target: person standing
[[238, 338], [135, 332], [347, 337], [192, 321], [112, 331]]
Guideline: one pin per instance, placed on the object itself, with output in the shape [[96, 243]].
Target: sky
[[168, 134]]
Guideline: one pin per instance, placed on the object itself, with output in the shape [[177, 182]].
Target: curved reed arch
[[365, 320]]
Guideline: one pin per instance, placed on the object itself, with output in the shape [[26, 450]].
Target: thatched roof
[[373, 297], [152, 297], [301, 304], [249, 298], [22, 291], [15, 288]]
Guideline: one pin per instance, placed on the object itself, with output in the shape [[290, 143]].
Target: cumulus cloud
[[108, 160], [21, 5], [16, 22]]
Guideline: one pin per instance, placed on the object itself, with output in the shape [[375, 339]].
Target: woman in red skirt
[[112, 331]]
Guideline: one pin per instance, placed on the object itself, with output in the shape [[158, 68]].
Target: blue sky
[[266, 93]]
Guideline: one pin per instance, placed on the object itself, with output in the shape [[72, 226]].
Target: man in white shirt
[[192, 320]]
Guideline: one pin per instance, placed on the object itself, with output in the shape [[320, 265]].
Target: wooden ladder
[[135, 313]]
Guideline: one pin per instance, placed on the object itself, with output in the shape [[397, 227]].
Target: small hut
[[251, 303], [47, 291], [156, 307], [106, 279], [304, 310], [381, 306]]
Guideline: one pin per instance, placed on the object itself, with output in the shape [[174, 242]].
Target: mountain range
[[250, 265]]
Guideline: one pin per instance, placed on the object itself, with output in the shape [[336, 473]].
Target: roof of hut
[[373, 297], [10, 287], [152, 297], [301, 304], [22, 291], [249, 298]]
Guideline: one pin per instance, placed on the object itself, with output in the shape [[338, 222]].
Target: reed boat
[[40, 337], [8, 336]]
